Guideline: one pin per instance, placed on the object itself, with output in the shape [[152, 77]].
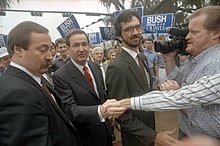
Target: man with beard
[[128, 76], [29, 114]]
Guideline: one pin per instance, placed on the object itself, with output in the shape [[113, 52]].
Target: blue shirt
[[201, 119], [152, 57]]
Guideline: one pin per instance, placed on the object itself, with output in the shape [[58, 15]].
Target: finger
[[172, 131]]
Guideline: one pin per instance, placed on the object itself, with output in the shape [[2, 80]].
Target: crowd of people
[[70, 93]]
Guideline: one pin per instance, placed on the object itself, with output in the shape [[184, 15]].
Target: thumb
[[171, 131]]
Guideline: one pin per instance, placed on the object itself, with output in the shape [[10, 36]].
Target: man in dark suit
[[125, 78], [79, 84], [29, 113]]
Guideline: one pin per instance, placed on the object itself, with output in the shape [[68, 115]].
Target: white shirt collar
[[131, 52], [80, 67], [36, 78]]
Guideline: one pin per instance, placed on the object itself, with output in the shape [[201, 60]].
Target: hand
[[112, 108], [169, 85], [164, 139]]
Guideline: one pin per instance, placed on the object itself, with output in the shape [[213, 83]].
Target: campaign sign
[[94, 38], [69, 24], [157, 23], [107, 33], [3, 40], [139, 9]]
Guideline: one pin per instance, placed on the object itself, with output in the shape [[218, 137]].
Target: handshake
[[113, 109]]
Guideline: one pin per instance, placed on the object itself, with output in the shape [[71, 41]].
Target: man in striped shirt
[[205, 91]]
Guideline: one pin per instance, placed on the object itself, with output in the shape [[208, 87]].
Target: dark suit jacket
[[28, 116], [123, 80], [80, 102]]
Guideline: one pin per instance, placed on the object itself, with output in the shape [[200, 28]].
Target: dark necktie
[[142, 68], [88, 76], [47, 90]]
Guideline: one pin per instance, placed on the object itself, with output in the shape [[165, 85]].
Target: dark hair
[[53, 44], [213, 17], [74, 32], [124, 16], [59, 40], [147, 39], [20, 35]]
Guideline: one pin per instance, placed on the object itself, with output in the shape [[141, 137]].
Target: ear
[[216, 35], [119, 38], [18, 50]]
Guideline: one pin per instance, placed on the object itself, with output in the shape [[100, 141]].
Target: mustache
[[47, 64], [136, 36]]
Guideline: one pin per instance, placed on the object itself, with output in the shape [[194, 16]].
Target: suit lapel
[[144, 58], [79, 78], [134, 68], [96, 72], [21, 74]]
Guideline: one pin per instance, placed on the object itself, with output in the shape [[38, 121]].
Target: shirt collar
[[80, 67], [36, 78], [131, 52]]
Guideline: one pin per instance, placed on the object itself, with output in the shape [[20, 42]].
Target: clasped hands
[[112, 108]]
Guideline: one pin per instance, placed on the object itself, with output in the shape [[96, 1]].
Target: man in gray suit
[[127, 77], [80, 86]]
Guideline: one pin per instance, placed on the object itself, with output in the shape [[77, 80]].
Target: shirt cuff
[[136, 103], [100, 115]]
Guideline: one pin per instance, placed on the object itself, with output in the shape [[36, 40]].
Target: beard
[[133, 42]]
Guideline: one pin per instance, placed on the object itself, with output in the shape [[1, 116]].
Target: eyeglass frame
[[130, 29]]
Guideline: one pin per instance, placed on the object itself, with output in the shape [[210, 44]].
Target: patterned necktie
[[142, 68], [88, 76]]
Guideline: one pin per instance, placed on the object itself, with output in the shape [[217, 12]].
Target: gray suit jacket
[[80, 102], [123, 80]]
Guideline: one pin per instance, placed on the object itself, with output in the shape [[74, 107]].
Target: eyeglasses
[[131, 29]]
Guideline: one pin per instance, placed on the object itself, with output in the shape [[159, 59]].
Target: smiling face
[[79, 48], [37, 58], [62, 49], [131, 39], [199, 39]]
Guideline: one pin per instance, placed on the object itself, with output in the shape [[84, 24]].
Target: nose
[[135, 31], [81, 47], [63, 48], [49, 55], [188, 36]]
